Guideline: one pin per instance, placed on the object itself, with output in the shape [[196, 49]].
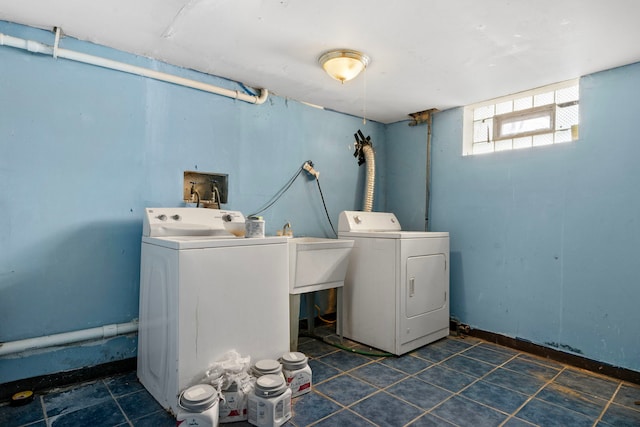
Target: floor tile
[[587, 383], [514, 381], [434, 353], [517, 422], [343, 360], [465, 413], [316, 348], [13, 416], [495, 396], [157, 419], [369, 352], [487, 355], [545, 414], [71, 400], [544, 373], [557, 394], [386, 410], [345, 389], [440, 350], [492, 382], [418, 392], [468, 366], [498, 348], [621, 416], [312, 407], [106, 414], [244, 424], [138, 404], [123, 384], [429, 420], [454, 344], [628, 395], [378, 374], [446, 378], [541, 360], [321, 371], [407, 363], [344, 418]]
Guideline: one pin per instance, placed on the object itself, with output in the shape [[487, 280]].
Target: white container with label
[[297, 373], [233, 405], [254, 227], [198, 406], [270, 403], [267, 367]]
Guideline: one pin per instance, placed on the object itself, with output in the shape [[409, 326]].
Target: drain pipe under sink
[[100, 332]]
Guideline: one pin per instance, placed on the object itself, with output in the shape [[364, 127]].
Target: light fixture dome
[[343, 64]]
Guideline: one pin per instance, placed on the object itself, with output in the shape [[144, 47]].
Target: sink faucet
[[286, 229]]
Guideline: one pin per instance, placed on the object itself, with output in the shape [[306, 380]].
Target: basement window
[[543, 116]]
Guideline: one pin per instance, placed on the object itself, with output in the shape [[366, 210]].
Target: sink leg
[[310, 296], [339, 309], [294, 321]]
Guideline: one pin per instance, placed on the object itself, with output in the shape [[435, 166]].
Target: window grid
[[561, 101]]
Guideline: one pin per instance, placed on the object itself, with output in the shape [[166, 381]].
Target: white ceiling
[[424, 53]]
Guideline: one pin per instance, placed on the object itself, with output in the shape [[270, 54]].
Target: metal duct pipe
[[370, 160], [101, 332], [55, 51]]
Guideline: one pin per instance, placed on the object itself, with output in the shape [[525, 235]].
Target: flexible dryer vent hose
[[370, 160]]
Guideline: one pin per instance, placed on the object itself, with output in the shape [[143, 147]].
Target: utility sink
[[317, 263]]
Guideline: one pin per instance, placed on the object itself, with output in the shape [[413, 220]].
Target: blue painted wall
[[544, 242], [406, 154], [84, 150]]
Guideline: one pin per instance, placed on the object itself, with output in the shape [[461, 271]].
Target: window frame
[[548, 110], [468, 115]]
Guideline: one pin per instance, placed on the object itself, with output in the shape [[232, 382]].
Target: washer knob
[[162, 217], [176, 217], [393, 220], [357, 219]]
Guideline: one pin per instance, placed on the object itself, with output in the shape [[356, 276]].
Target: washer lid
[[204, 242]]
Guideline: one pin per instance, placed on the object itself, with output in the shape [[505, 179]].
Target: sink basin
[[317, 263]]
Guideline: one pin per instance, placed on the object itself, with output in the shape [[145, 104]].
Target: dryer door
[[425, 284], [425, 298]]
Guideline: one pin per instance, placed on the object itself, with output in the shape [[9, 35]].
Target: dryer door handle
[[412, 286]]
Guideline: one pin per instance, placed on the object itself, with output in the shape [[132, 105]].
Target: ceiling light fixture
[[344, 64]]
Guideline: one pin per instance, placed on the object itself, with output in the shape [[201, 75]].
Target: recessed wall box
[[206, 187]]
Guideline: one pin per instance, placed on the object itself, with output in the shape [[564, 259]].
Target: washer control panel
[[162, 222]]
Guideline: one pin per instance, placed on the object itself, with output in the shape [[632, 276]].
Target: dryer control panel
[[368, 221]]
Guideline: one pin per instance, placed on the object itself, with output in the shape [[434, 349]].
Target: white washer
[[396, 292], [204, 292]]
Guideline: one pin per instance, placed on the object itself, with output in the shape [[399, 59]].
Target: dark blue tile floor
[[452, 382]]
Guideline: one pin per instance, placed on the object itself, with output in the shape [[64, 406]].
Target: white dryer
[[396, 291], [204, 292]]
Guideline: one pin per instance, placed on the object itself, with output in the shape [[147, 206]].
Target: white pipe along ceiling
[[57, 52]]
